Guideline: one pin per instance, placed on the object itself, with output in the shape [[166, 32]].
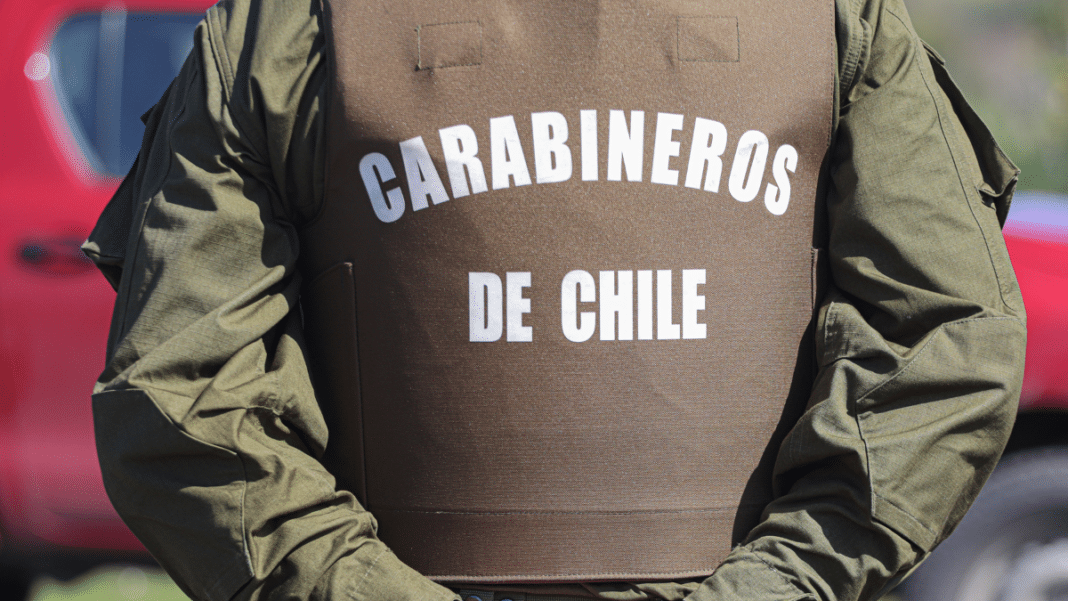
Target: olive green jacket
[[208, 428]]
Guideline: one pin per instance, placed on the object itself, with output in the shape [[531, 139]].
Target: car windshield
[[1040, 215], [111, 67]]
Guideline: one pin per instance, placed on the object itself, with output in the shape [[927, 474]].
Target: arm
[[920, 339], [207, 426]]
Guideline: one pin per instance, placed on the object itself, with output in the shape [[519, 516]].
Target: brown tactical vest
[[559, 298]]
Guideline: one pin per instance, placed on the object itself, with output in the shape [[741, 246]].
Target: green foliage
[[112, 583], [1048, 18], [1011, 61]]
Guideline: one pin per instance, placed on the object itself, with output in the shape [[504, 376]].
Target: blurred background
[[77, 76], [1011, 60]]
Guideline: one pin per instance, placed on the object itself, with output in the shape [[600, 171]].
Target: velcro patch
[[709, 39], [443, 45]]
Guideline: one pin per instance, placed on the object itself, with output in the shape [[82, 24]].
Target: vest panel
[[559, 294]]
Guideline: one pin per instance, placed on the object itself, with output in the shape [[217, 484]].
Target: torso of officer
[[560, 289]]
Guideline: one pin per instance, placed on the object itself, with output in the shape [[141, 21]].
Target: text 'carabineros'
[[555, 159]]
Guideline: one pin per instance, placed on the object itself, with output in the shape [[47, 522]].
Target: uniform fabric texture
[[212, 441]]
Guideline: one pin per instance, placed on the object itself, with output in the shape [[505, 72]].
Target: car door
[[75, 77]]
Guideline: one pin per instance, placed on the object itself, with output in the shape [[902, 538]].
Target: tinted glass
[[1042, 215], [108, 69]]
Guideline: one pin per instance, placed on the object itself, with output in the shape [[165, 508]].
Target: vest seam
[[330, 59], [696, 571], [834, 95], [351, 268], [599, 513], [419, 46]]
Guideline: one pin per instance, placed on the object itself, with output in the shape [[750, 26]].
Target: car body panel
[[1037, 237], [54, 305]]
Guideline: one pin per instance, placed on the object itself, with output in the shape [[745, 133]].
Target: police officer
[[626, 300]]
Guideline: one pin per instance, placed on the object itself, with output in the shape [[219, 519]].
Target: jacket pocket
[[989, 181], [998, 175]]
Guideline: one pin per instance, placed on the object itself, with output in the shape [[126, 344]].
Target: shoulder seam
[[218, 51]]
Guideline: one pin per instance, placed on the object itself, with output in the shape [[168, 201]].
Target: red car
[[76, 76]]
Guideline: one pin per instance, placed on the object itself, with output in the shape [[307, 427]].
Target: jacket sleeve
[[207, 428], [920, 339]]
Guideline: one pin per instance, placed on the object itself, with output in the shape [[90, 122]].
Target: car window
[[108, 69], [1042, 215]]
